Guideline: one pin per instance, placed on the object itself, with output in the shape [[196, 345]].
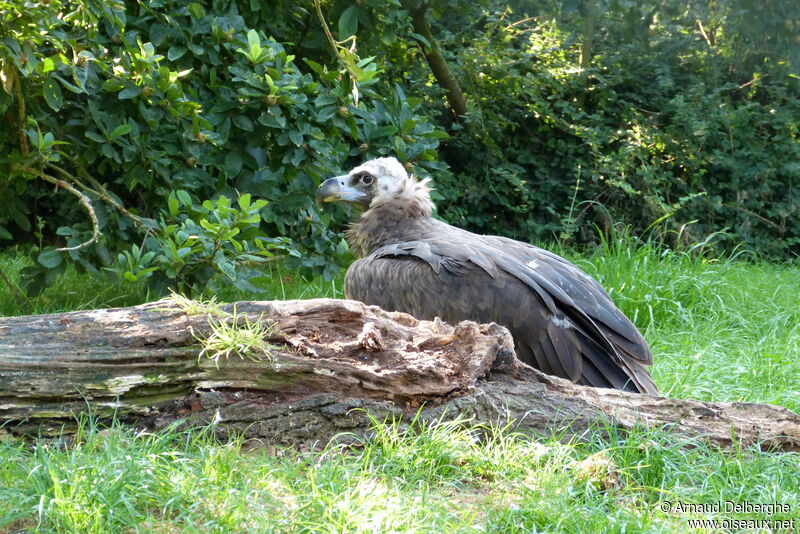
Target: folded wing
[[563, 322]]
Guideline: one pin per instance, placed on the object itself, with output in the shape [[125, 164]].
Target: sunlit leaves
[[254, 52], [198, 242]]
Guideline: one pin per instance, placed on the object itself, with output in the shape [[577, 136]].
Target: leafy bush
[[208, 244], [136, 104], [662, 125]]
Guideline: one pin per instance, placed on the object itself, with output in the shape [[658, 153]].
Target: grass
[[82, 291], [439, 477], [721, 329], [241, 338]]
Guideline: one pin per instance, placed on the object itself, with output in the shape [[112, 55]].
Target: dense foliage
[[164, 109], [687, 112], [197, 132]]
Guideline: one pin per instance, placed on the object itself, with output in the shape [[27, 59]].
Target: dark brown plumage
[[563, 322]]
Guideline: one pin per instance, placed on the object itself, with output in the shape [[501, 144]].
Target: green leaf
[[245, 285], [66, 231], [176, 52], [197, 10], [384, 131], [107, 151], [113, 84], [348, 22], [68, 86], [253, 219], [253, 40], [184, 197], [94, 136], [50, 258], [196, 49], [316, 67], [173, 205], [422, 39], [19, 215], [158, 33], [226, 267], [400, 146], [122, 129], [4, 233], [233, 164], [296, 137], [80, 75], [29, 66], [209, 226], [130, 92], [243, 123], [52, 94]]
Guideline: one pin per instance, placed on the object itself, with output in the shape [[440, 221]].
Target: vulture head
[[376, 183]]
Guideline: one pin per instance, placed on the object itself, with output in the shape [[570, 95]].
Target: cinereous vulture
[[563, 322]]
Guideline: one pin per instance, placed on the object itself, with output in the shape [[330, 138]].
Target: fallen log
[[290, 372]]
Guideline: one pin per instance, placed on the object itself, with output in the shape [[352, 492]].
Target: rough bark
[[331, 365]]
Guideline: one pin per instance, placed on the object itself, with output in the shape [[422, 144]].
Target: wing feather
[[558, 337]]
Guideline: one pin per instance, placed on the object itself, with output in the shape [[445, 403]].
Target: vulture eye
[[366, 179]]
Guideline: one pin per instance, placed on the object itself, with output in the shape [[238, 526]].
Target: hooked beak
[[336, 188]]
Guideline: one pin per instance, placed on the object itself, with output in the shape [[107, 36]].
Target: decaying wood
[[331, 366]]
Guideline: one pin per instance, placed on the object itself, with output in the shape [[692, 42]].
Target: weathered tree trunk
[[326, 358], [433, 55], [587, 38]]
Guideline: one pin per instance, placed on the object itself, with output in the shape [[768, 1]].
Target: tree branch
[[336, 50], [99, 189], [433, 55], [87, 204]]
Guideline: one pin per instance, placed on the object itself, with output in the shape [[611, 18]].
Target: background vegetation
[[198, 132]]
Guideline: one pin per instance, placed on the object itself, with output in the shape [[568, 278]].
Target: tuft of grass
[[230, 333], [234, 335], [189, 306], [653, 284]]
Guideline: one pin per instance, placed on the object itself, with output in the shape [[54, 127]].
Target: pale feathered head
[[379, 182]]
